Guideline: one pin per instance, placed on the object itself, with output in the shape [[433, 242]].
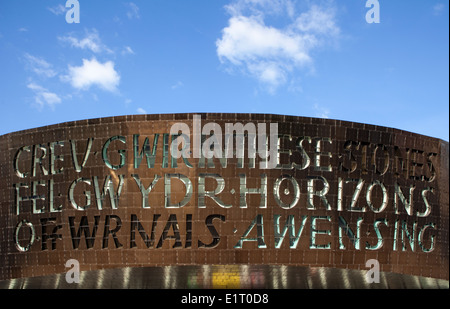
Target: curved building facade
[[223, 200]]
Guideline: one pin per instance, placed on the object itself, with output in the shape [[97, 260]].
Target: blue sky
[[305, 58]]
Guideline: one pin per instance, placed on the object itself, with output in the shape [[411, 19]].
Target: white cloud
[[321, 112], [133, 11], [39, 66], [438, 8], [248, 40], [127, 50], [93, 73], [57, 10], [90, 41], [43, 96], [141, 111], [178, 84], [271, 54], [317, 21]]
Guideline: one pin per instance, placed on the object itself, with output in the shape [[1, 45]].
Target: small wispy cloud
[[133, 11], [39, 66], [22, 29], [438, 8], [141, 111], [177, 85], [127, 50], [44, 96], [91, 41], [321, 112], [93, 73], [57, 10]]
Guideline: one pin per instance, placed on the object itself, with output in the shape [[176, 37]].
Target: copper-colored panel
[[108, 194]]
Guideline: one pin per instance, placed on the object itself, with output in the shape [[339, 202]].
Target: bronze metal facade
[[108, 193]]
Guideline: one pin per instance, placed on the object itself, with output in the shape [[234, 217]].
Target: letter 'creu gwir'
[[223, 200]]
